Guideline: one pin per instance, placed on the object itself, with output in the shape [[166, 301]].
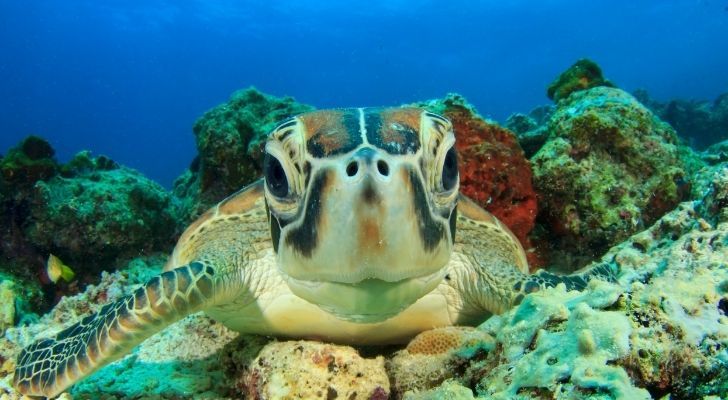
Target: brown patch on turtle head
[[331, 132]]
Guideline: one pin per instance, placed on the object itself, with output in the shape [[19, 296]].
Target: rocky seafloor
[[603, 179]]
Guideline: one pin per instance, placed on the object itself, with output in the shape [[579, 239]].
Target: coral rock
[[7, 304], [313, 370], [449, 390], [609, 169], [30, 161], [99, 215], [434, 356], [531, 135], [701, 123]]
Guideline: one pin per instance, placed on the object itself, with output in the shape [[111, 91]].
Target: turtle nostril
[[382, 167], [352, 168]]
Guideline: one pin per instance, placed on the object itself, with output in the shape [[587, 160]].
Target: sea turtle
[[349, 237]]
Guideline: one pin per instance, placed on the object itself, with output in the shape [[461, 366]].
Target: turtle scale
[[367, 244]]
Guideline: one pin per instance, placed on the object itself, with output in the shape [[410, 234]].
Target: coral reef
[[663, 330], [584, 74], [702, 123], [493, 169], [96, 216], [716, 153], [229, 142], [608, 169], [179, 362], [90, 212], [554, 342], [449, 390]]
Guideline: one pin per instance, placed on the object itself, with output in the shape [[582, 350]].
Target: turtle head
[[362, 207]]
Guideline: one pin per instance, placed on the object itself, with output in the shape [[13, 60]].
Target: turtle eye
[[275, 176], [450, 170]]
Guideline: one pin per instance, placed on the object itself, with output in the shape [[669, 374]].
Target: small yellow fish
[[56, 269]]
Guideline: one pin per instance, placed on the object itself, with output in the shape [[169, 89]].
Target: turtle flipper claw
[[49, 366]]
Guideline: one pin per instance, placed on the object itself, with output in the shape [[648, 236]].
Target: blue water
[[128, 78]]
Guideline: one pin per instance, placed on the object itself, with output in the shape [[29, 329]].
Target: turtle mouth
[[367, 301]]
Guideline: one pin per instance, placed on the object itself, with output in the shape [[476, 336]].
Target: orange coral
[[495, 172]]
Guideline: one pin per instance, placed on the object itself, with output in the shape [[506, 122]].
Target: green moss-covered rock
[[230, 140], [584, 74], [711, 186], [30, 161], [702, 123], [531, 129], [84, 162], [609, 169], [99, 215]]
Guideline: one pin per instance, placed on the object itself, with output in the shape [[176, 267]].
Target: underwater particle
[[583, 74], [56, 269]]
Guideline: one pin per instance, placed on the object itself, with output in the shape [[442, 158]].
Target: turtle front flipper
[[490, 265], [576, 281], [49, 366]]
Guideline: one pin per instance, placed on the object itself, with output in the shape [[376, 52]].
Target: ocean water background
[[128, 78]]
